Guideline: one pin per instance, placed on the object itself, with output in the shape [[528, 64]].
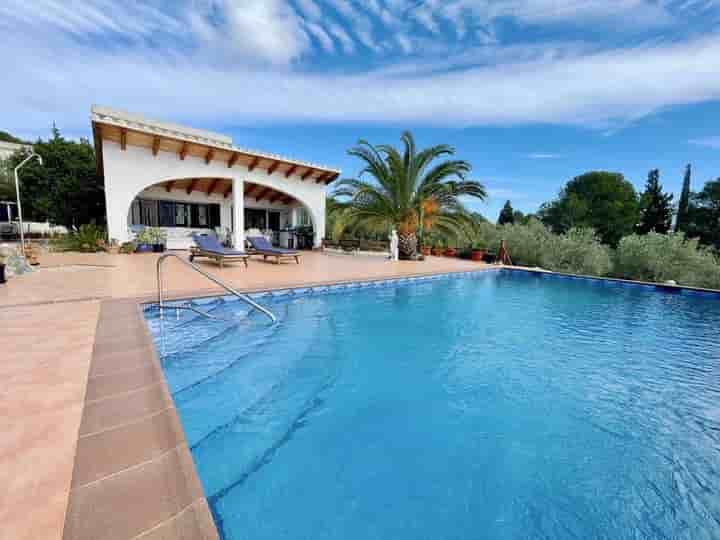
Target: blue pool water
[[499, 405]]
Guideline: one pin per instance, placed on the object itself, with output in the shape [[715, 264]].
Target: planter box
[[144, 248], [450, 252], [425, 250], [477, 254], [437, 251]]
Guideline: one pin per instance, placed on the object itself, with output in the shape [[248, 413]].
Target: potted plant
[[159, 237], [450, 251], [425, 249], [438, 248], [127, 248], [478, 252], [5, 253], [144, 241]]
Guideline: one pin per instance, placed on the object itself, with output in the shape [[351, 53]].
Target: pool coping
[[153, 479], [133, 474]]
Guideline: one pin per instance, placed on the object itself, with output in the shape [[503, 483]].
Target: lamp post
[[17, 192]]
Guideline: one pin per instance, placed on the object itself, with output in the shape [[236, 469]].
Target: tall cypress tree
[[655, 206], [684, 205], [507, 215]]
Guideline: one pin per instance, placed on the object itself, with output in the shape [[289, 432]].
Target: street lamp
[[17, 192]]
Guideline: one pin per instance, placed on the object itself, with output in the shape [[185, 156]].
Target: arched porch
[[186, 205]]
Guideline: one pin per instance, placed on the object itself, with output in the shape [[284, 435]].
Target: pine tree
[[507, 214], [684, 204], [655, 206]]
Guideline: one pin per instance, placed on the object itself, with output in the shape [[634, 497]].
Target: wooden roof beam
[[183, 151], [290, 171], [253, 164], [332, 177], [123, 138], [209, 156], [278, 195], [192, 186], [287, 199], [156, 145], [227, 190], [323, 177], [260, 196], [233, 160], [248, 188], [169, 186], [213, 185], [307, 174], [273, 167]]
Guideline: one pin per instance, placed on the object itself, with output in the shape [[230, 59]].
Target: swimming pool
[[498, 405]]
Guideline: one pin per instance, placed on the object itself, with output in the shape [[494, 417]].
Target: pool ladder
[[245, 298]]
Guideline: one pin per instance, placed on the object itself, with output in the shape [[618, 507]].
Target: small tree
[[682, 214], [7, 186], [66, 189], [703, 220], [600, 200], [507, 215], [655, 206]]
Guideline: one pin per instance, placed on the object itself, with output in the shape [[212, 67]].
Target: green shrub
[[579, 251], [525, 243], [88, 238], [127, 247], [662, 257]]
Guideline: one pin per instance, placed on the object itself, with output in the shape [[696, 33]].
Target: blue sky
[[531, 92]]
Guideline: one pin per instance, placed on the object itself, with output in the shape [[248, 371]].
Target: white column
[[239, 211]]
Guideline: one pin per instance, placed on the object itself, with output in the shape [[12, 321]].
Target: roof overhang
[[134, 130]]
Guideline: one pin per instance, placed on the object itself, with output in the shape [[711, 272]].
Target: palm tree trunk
[[407, 245]]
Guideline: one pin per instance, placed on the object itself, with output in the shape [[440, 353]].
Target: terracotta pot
[[425, 250], [450, 252], [477, 254], [437, 251]]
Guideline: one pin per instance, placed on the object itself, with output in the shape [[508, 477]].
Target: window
[[174, 214], [167, 214], [255, 219], [304, 218], [202, 220]]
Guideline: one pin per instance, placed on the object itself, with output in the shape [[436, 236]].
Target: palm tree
[[408, 191]]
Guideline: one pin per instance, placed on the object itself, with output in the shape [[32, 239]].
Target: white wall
[[129, 172]]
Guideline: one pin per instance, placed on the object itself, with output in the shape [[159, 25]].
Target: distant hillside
[[6, 137]]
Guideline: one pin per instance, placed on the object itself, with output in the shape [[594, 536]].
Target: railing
[[212, 278]]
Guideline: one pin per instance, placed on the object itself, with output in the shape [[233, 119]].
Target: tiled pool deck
[[91, 446]]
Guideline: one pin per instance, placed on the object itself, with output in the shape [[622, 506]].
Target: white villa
[[184, 180]]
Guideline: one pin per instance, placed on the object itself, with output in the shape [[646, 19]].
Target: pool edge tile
[[151, 489]]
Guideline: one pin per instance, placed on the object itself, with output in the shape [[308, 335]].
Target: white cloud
[[310, 9], [321, 35], [541, 155], [708, 142], [266, 29], [244, 66], [346, 42]]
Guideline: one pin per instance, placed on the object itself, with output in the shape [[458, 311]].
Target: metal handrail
[[212, 278]]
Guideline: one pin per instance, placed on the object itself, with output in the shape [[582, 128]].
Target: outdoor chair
[[262, 247], [208, 246]]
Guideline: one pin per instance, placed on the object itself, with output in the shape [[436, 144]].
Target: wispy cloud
[[708, 142], [246, 61], [541, 155]]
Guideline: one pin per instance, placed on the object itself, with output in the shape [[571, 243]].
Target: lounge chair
[[207, 245], [263, 247]]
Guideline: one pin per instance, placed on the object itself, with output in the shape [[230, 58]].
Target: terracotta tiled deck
[[126, 276], [82, 382]]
